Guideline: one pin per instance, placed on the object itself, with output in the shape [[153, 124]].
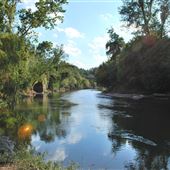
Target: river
[[99, 132]]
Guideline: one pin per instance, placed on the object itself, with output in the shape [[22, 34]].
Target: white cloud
[[98, 43], [59, 155], [71, 32], [74, 137], [79, 64], [71, 49], [107, 17], [109, 21], [29, 4], [125, 32], [99, 58], [97, 49]]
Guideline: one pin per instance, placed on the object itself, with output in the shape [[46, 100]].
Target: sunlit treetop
[[46, 15], [149, 16]]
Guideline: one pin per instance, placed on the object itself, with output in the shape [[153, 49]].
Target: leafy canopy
[[149, 16]]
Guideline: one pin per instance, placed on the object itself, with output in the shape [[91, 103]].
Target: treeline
[[143, 64], [71, 77], [23, 60]]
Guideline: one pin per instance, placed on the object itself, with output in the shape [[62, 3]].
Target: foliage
[[14, 74], [24, 159], [150, 17], [22, 63], [148, 68], [19, 57], [114, 45], [71, 77], [28, 160], [142, 66], [106, 74], [46, 15]]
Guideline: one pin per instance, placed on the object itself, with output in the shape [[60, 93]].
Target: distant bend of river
[[99, 132]]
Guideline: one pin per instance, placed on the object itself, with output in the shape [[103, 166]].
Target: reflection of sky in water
[[58, 155], [86, 141], [98, 132]]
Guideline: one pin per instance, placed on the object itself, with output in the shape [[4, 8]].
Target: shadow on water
[[144, 124]]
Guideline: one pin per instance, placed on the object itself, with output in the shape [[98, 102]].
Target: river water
[[99, 132]]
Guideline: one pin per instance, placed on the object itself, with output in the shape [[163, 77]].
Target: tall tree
[[18, 57], [114, 45], [164, 16], [150, 16], [7, 14], [47, 15]]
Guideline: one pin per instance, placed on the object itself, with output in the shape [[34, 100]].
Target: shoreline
[[135, 96]]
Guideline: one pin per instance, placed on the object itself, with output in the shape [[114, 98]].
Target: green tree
[[106, 74], [21, 62], [114, 45], [149, 16], [7, 14], [46, 15], [14, 55]]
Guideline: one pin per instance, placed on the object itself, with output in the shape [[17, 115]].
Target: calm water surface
[[98, 132]]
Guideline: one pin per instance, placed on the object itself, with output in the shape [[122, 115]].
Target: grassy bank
[[24, 159]]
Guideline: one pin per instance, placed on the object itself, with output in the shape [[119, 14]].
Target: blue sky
[[84, 30]]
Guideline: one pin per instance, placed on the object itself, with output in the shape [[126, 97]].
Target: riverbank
[[32, 93], [24, 159], [134, 95]]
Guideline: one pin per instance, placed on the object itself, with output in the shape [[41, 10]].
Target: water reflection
[[97, 131], [48, 116], [59, 155], [145, 125]]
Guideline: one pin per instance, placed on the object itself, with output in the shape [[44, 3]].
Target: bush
[[29, 160]]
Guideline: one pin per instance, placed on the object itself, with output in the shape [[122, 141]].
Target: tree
[[149, 16], [46, 15], [164, 16], [45, 49], [7, 14], [19, 57], [14, 68], [106, 74], [114, 45]]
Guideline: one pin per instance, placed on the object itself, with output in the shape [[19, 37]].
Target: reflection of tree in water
[[49, 116], [149, 157], [10, 123], [145, 125]]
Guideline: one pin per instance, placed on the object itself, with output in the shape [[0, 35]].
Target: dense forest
[[28, 66], [141, 65]]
